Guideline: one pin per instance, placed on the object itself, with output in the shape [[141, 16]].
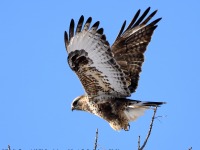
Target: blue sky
[[37, 85]]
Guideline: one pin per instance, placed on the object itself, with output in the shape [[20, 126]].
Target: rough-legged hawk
[[110, 74]]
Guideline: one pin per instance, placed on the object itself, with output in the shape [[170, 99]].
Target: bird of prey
[[109, 74]]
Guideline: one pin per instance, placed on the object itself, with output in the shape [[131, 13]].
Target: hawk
[[109, 74]]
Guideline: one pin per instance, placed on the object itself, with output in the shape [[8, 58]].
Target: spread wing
[[90, 57], [130, 45]]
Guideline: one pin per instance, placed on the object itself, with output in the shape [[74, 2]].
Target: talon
[[127, 128]]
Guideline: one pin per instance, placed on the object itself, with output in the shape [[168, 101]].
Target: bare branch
[[138, 142], [150, 128], [96, 139]]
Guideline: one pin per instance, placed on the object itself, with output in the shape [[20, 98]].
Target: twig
[[150, 128], [96, 138], [138, 142]]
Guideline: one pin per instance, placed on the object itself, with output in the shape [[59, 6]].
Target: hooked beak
[[72, 108]]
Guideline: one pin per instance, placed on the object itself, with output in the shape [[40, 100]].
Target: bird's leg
[[129, 126]]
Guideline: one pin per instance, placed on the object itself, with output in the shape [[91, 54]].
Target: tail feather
[[154, 104], [133, 113], [135, 109]]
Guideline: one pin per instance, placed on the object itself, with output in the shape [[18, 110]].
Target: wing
[[130, 45], [90, 57]]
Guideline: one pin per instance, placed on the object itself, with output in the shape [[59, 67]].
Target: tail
[[153, 104], [136, 108]]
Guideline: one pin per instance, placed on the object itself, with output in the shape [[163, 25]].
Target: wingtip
[[156, 21], [87, 24], [154, 12], [89, 19], [65, 34], [71, 29], [66, 39], [159, 19], [100, 31], [96, 25], [72, 21], [147, 10], [81, 19], [121, 30]]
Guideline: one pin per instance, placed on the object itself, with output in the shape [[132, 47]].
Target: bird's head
[[78, 103]]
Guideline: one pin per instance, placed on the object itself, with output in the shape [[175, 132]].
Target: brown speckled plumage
[[109, 74]]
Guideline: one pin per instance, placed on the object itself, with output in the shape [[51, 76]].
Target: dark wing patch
[[130, 45], [77, 59], [80, 63]]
